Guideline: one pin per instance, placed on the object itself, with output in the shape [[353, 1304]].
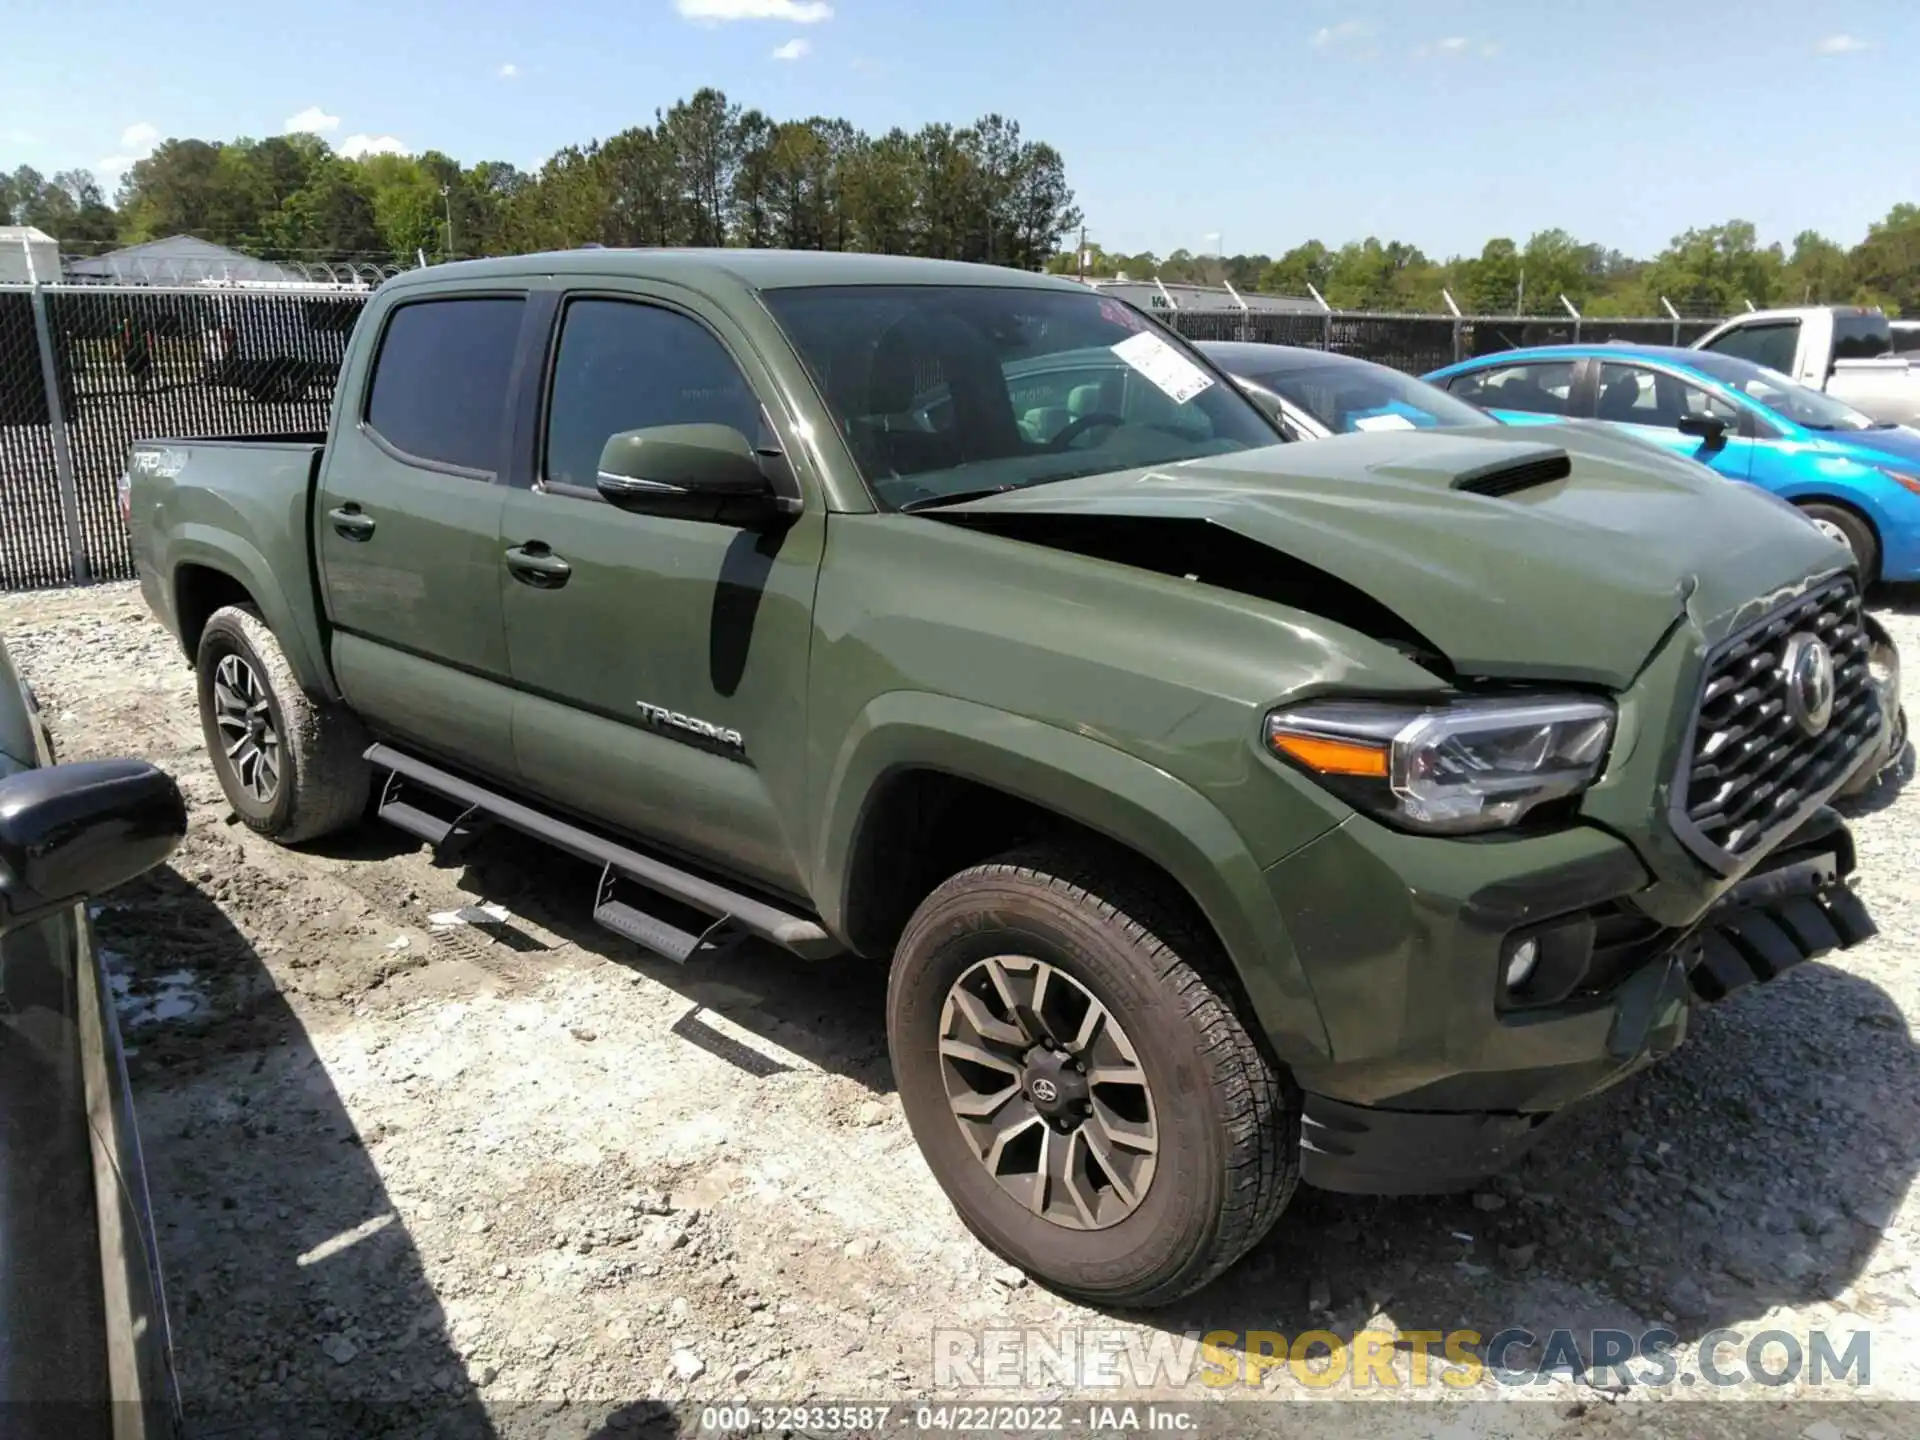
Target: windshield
[[1359, 396], [949, 390], [1782, 396]]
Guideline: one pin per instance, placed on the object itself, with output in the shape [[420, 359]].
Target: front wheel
[[1851, 530], [1072, 1062], [291, 765]]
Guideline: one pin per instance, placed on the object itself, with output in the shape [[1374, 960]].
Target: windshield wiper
[[934, 502]]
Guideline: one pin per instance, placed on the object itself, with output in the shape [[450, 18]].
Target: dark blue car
[[1855, 477]]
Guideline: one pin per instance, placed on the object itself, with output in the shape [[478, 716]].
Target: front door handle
[[350, 523], [534, 564]]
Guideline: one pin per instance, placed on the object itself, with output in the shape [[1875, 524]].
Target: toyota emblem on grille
[[1807, 668]]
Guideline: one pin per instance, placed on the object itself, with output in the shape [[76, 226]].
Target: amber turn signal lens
[[1334, 757]]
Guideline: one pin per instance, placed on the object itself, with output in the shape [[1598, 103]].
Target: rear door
[[662, 663], [1772, 343], [1650, 403], [1531, 391], [408, 529]]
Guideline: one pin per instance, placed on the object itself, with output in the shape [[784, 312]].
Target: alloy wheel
[[1048, 1091], [243, 713]]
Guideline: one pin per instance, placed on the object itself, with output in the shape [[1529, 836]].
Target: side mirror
[[689, 472], [1710, 430], [1268, 404], [70, 832]]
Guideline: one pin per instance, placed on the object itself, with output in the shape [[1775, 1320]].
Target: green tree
[[1886, 265], [1717, 269], [1491, 284], [70, 207], [1305, 265], [1818, 271]]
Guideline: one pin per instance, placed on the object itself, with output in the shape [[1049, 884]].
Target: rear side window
[[625, 366], [439, 387], [1630, 395], [1541, 387], [1771, 344], [1861, 337]]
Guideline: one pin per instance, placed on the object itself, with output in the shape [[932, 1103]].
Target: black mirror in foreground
[[689, 472], [70, 832], [1709, 428]]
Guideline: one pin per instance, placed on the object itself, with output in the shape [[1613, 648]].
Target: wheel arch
[[929, 783], [211, 571], [1865, 513]]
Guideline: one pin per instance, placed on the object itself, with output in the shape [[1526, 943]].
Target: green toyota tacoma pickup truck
[[1231, 813]]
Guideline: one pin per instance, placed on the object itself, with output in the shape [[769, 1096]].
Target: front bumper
[[1482, 1099]]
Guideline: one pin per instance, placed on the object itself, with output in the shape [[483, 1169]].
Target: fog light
[[1520, 963]]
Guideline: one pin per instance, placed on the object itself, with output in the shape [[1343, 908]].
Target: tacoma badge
[[705, 729]]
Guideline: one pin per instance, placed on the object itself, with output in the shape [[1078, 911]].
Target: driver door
[[1650, 404], [652, 639]]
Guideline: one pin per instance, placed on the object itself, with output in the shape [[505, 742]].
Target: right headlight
[[1453, 768]]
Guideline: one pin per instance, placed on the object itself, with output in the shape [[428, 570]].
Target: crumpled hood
[[1576, 578]]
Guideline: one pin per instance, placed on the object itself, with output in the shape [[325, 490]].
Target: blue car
[[1856, 478]]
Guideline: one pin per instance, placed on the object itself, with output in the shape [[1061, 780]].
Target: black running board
[[729, 908]]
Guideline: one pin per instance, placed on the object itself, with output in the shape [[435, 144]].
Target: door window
[[1540, 387], [626, 366], [440, 381], [1771, 344], [1630, 395]]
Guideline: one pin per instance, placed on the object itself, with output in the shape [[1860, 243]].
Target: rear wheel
[[1072, 1062], [1850, 529], [291, 765]]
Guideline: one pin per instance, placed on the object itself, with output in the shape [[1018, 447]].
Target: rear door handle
[[350, 523], [534, 564]]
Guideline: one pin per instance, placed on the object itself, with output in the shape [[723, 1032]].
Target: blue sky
[[1265, 124]]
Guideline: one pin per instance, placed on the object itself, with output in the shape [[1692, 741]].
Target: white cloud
[[358, 147], [136, 143], [1454, 46], [792, 50], [1346, 32], [311, 121], [720, 12], [509, 71], [1841, 45]]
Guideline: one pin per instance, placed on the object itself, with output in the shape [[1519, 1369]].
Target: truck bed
[[189, 500]]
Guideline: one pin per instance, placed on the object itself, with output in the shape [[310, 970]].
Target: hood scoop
[[1509, 477]]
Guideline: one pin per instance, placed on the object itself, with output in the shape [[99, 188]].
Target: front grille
[[1752, 769]]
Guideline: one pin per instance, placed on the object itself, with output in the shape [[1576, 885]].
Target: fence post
[[1326, 317], [57, 425], [1673, 315], [1575, 313], [1454, 311]]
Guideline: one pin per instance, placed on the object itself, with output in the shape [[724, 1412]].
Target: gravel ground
[[505, 1174]]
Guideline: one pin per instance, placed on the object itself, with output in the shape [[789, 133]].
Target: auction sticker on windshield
[[1164, 366]]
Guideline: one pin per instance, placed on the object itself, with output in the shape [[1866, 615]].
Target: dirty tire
[[324, 781], [1858, 533], [1227, 1114]]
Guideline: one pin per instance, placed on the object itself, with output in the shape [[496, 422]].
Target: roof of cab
[[754, 269]]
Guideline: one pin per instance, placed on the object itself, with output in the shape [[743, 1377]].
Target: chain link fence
[[138, 362], [85, 370]]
